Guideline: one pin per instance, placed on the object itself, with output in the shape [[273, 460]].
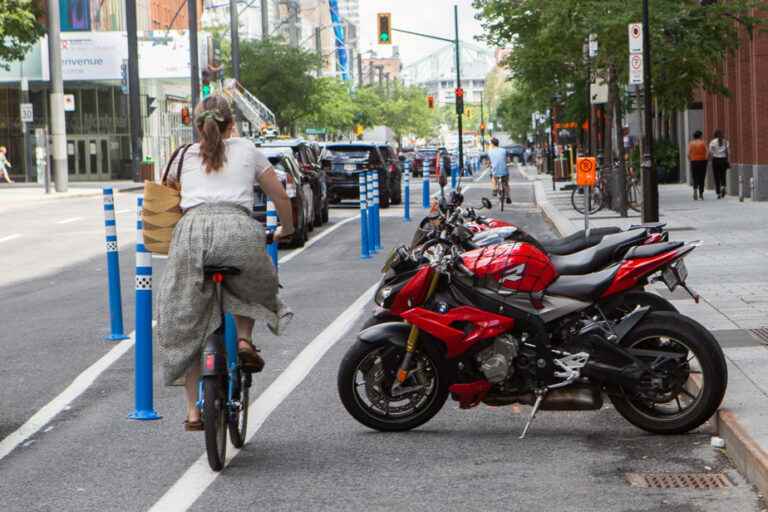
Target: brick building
[[170, 14], [744, 115]]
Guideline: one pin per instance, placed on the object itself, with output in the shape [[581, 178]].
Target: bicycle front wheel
[[215, 421], [238, 418], [579, 200], [634, 196]]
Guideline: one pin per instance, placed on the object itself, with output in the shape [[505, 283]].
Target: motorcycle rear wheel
[[704, 385], [378, 409]]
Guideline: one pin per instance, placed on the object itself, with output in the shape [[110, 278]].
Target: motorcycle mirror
[[486, 203]]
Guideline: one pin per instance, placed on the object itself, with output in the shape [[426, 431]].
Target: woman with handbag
[[215, 178], [719, 149]]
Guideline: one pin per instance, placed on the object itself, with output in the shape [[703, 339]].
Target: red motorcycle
[[498, 326]]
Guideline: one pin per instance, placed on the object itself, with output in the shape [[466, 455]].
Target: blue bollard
[[272, 226], [364, 251], [377, 209], [425, 185], [113, 270], [454, 174], [145, 409], [371, 213], [407, 193]]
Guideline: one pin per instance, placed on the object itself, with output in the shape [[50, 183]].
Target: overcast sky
[[428, 16]]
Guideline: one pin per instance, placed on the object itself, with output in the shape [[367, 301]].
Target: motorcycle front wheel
[[365, 383], [683, 390]]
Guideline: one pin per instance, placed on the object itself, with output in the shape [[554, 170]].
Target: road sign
[[586, 171], [27, 114], [635, 38], [592, 45], [635, 68], [384, 25], [69, 103], [315, 131]]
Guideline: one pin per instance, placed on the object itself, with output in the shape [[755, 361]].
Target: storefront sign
[[27, 113]]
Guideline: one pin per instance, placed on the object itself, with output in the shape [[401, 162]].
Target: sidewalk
[[729, 271], [13, 195]]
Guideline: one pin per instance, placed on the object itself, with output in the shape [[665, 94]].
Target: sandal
[[193, 426], [250, 360]]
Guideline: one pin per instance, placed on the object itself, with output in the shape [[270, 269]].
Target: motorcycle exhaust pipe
[[573, 398], [625, 375]]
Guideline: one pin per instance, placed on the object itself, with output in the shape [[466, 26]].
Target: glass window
[[121, 108], [73, 119], [90, 111], [106, 110]]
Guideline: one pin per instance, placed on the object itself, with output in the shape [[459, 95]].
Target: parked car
[[394, 173], [310, 166], [343, 163], [298, 188]]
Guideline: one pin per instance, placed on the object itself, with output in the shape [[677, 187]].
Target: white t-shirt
[[718, 151], [233, 183]]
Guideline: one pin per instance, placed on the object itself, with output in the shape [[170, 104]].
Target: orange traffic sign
[[586, 171]]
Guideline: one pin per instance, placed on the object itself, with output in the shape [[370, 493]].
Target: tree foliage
[[331, 107], [689, 42], [281, 76], [19, 29]]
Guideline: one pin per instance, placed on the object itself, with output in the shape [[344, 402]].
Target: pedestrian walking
[[215, 178], [5, 164], [698, 155], [719, 148]]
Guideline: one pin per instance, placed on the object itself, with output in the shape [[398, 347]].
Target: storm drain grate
[[761, 333], [701, 481]]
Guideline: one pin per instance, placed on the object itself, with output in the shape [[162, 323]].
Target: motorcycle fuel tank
[[512, 266]]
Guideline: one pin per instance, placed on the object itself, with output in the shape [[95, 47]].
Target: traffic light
[[206, 87], [459, 100], [385, 27], [482, 127], [431, 102]]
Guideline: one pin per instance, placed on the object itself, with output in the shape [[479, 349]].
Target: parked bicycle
[[600, 196]]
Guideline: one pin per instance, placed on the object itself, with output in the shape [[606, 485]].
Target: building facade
[[437, 73]]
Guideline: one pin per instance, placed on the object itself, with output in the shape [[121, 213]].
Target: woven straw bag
[[162, 210]]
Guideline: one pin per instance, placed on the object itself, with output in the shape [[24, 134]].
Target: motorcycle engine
[[496, 361]]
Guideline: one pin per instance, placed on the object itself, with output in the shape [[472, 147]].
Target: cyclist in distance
[[216, 180], [499, 172]]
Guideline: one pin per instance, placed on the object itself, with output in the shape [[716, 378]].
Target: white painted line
[[67, 221], [312, 241], [129, 210], [9, 238], [62, 401], [199, 476]]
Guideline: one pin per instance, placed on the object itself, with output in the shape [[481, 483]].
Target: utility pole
[[58, 125], [234, 29], [381, 75], [650, 181], [458, 86], [359, 69], [134, 107], [29, 157], [193, 57], [264, 20], [386, 76], [319, 50], [482, 123]]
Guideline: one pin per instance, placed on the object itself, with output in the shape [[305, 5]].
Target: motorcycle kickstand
[[536, 405]]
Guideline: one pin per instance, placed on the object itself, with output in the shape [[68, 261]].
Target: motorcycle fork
[[413, 337]]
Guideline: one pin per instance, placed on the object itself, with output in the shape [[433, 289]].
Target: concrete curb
[[743, 450], [748, 456]]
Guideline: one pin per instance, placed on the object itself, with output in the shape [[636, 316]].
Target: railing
[[250, 107]]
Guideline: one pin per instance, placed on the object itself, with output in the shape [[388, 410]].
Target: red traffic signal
[[431, 102], [459, 92]]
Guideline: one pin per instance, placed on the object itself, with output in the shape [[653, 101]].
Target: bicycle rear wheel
[[579, 200], [215, 421], [238, 419]]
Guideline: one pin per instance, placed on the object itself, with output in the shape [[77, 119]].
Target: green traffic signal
[[206, 91], [384, 37], [384, 27]]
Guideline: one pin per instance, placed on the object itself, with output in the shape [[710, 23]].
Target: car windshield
[[334, 153]]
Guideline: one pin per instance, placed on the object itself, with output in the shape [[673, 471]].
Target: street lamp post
[[234, 26], [650, 181]]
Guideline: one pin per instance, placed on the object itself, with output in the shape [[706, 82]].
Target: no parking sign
[[586, 171]]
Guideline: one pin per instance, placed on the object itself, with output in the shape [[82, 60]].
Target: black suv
[[343, 163], [394, 172], [310, 167]]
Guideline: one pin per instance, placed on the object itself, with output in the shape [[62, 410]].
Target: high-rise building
[[350, 11]]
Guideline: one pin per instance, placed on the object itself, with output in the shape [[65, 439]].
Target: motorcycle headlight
[[383, 293]]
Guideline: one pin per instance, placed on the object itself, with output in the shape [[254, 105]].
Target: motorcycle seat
[[651, 250], [577, 241], [209, 270], [588, 287], [611, 248]]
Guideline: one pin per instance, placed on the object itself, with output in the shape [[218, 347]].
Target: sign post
[[586, 178]]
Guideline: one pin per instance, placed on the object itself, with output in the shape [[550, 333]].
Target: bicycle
[[599, 198], [501, 190]]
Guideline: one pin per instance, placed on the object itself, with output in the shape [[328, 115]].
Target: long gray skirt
[[220, 234]]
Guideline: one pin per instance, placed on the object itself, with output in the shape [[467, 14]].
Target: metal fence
[[164, 132]]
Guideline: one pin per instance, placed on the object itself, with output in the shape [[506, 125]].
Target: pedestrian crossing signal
[[384, 27], [431, 102]]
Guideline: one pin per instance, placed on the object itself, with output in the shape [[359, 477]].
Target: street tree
[[405, 112], [19, 29], [332, 108], [280, 75]]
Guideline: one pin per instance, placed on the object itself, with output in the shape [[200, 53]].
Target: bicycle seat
[[225, 271]]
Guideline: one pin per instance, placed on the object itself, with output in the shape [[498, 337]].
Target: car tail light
[[290, 187]]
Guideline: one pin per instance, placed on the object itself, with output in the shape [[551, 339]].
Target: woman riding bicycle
[[499, 171], [216, 181]]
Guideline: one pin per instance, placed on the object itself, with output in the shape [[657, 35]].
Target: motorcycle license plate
[[675, 274]]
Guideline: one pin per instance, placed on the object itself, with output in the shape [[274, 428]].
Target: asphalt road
[[309, 454]]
